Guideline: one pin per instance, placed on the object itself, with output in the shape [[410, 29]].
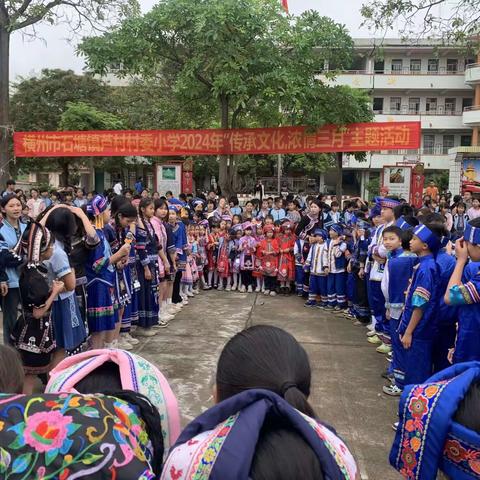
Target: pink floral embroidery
[[46, 431]]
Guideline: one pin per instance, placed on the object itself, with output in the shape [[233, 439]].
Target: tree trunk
[[64, 177], [224, 177], [4, 105], [339, 186]]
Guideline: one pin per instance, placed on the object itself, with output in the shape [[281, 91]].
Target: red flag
[[285, 5]]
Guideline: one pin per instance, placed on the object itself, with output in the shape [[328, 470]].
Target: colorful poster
[[356, 137], [396, 179], [471, 173]]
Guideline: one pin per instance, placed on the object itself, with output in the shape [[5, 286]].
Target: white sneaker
[[196, 291], [145, 332], [165, 317], [123, 344], [242, 289], [184, 302], [160, 324], [392, 390], [228, 289], [258, 289], [190, 294], [130, 339], [273, 293], [266, 292], [250, 289], [220, 288]]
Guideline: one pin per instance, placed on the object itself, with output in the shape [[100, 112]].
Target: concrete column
[[321, 183]]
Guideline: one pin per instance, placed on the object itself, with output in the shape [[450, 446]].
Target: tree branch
[[36, 18], [20, 11]]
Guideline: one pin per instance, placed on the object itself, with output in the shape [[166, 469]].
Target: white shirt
[[117, 188]]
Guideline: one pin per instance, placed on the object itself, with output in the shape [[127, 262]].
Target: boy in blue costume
[[418, 324], [466, 295]]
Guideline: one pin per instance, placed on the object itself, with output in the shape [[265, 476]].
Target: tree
[[23, 14], [81, 116], [457, 21], [245, 58], [39, 102]]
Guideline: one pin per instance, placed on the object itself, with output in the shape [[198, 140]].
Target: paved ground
[[346, 369]]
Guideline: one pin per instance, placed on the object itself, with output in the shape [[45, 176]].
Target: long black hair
[[160, 202], [265, 357], [145, 202], [468, 412], [122, 209], [106, 380], [63, 225], [282, 453]]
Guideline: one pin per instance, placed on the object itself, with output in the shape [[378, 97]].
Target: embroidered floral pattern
[[56, 436], [465, 457], [415, 422]]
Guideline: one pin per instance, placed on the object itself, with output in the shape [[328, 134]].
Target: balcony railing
[[434, 150], [471, 108], [440, 111], [404, 71], [472, 65]]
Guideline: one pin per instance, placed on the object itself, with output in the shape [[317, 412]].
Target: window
[[358, 63], [395, 104], [450, 106], [466, 102], [469, 61], [415, 65], [452, 65], [433, 65], [448, 143], [379, 66], [397, 65], [431, 105], [413, 105], [378, 104], [428, 144], [465, 140]]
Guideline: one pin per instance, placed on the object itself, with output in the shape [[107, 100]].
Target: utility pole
[[279, 174]]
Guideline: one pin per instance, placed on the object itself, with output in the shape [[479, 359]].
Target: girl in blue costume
[[11, 230], [180, 238], [147, 270], [100, 268], [119, 231], [466, 295]]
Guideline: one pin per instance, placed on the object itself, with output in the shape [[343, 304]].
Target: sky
[[56, 49]]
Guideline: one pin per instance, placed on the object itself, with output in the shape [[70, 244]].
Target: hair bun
[[287, 386]]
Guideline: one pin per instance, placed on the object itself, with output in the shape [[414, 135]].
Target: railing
[[472, 108], [403, 71], [440, 111], [435, 150], [472, 65]]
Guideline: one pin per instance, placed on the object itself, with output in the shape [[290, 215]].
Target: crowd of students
[[117, 268]]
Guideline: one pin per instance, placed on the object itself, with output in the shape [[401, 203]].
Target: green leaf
[[5, 459], [90, 458], [21, 463]]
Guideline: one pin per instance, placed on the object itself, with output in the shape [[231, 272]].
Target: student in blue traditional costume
[[447, 314], [398, 271], [418, 324], [439, 427], [263, 427], [120, 231], [181, 243], [146, 247], [101, 277], [317, 265], [336, 269], [11, 230], [360, 308], [377, 260], [466, 295]]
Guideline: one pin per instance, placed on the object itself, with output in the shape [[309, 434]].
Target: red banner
[[356, 137]]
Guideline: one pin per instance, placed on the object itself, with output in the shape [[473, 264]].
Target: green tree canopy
[[243, 59]]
